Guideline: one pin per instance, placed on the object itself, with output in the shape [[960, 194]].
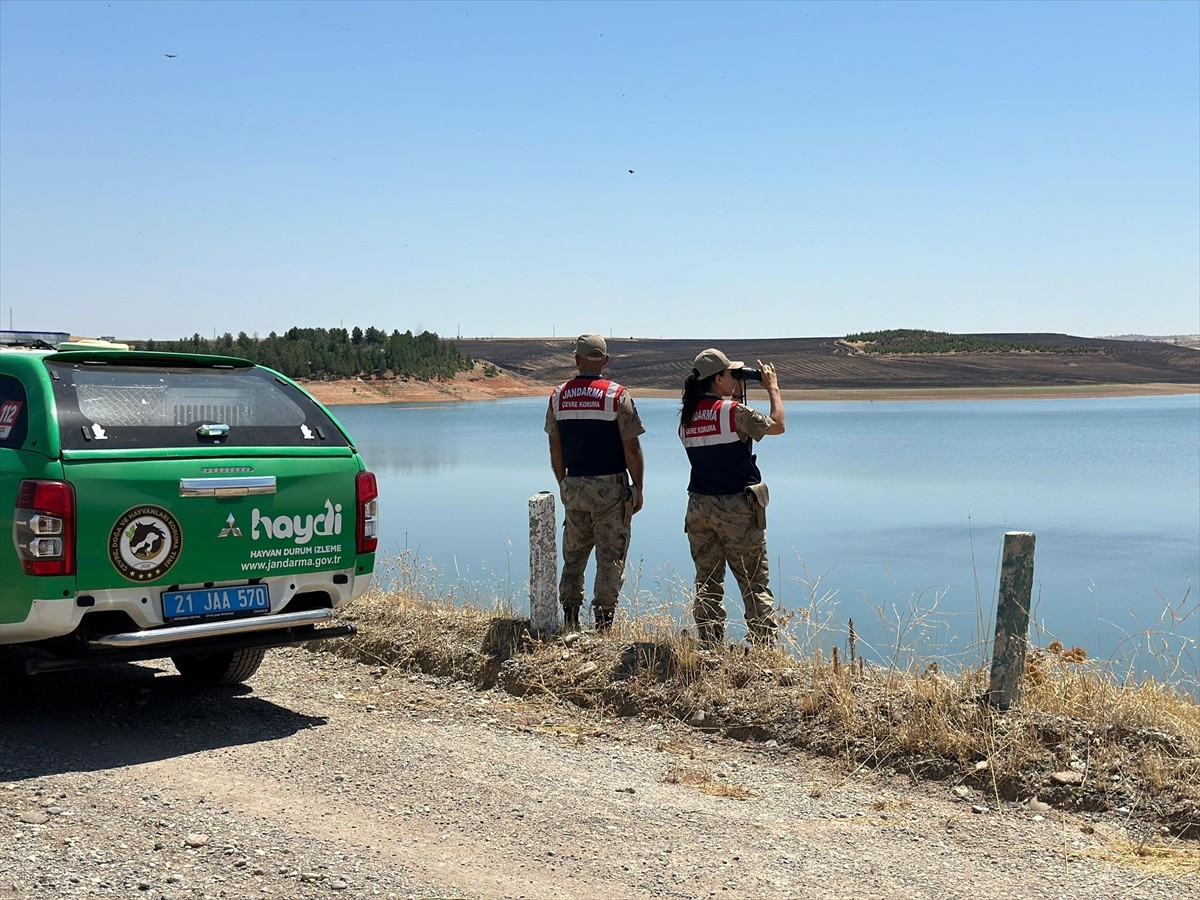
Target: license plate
[[216, 603]]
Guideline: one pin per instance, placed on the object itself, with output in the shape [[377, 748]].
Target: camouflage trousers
[[730, 529], [599, 509]]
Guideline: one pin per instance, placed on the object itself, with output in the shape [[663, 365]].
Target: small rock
[[35, 817], [1036, 805], [1067, 777], [196, 840], [585, 670], [962, 792], [978, 809], [572, 638], [696, 718]]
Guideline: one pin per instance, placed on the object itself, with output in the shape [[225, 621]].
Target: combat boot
[[570, 618], [711, 634], [604, 618]]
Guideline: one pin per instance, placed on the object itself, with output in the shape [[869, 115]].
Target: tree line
[[335, 352], [912, 340]]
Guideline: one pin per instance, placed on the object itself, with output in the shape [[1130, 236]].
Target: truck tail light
[[44, 527], [367, 530]]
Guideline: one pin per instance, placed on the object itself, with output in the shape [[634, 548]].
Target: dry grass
[[1081, 740], [707, 782]]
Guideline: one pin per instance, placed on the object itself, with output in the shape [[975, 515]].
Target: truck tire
[[211, 669]]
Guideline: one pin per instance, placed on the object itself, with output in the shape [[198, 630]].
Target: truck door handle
[[226, 487]]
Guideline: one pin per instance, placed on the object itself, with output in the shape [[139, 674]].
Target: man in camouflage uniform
[[726, 514], [597, 458]]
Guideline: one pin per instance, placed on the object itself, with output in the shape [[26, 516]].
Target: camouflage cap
[[712, 362], [590, 346]]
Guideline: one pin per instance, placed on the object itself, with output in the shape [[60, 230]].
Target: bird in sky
[[170, 55], [631, 171]]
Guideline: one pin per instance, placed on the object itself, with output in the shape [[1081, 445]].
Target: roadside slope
[[334, 776]]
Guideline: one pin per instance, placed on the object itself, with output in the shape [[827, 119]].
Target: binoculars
[[746, 373]]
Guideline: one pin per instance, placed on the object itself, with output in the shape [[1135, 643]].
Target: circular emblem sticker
[[145, 543]]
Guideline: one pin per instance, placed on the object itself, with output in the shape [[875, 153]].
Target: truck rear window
[[109, 406]]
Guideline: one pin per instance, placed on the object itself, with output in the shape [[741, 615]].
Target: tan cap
[[590, 346], [712, 362]]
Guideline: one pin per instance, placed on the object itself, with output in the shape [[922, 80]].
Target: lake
[[888, 513]]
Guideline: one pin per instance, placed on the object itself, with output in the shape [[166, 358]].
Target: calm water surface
[[889, 513]]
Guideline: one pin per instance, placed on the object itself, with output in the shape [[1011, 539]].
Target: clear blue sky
[[800, 169]]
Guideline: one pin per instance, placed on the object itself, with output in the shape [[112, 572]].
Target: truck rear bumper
[[59, 616], [274, 631]]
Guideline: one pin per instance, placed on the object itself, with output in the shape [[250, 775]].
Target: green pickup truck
[[155, 505]]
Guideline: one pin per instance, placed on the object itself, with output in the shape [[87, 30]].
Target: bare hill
[[827, 363]]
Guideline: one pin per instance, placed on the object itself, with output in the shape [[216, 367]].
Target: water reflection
[[892, 514]]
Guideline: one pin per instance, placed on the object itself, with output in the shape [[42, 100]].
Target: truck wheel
[[210, 669]]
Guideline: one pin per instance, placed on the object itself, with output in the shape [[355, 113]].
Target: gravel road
[[326, 777]]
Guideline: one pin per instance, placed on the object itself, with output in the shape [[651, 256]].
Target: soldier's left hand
[[769, 378]]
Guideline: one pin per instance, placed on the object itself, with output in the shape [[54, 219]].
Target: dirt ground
[[828, 364], [331, 777], [809, 369]]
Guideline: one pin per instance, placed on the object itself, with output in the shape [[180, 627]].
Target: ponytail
[[693, 389]]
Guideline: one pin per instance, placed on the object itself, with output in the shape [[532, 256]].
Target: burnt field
[[827, 364]]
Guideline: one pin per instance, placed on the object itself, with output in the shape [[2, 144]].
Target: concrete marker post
[[543, 566], [1012, 620]]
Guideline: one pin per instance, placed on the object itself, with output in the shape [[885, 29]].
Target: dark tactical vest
[[721, 461], [586, 410]]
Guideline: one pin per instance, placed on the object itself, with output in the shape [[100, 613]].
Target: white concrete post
[[543, 566]]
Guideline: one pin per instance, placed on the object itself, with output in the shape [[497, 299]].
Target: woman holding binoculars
[[726, 518]]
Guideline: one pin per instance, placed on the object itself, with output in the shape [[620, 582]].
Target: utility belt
[[575, 488], [756, 496], [618, 477]]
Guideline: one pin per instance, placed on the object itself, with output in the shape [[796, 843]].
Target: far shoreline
[[469, 388]]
